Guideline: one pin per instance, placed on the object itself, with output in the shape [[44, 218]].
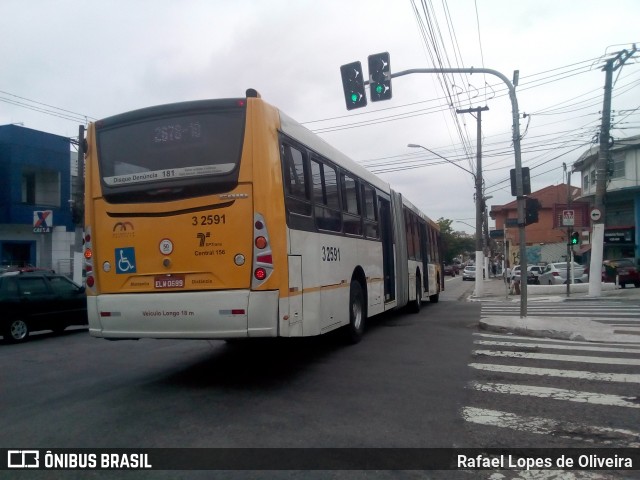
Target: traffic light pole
[[518, 163]]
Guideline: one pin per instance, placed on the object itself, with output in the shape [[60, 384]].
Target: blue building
[[36, 226]]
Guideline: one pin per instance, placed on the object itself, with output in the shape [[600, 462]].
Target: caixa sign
[[42, 221]]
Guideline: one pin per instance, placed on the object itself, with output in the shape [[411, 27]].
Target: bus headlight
[[239, 259], [106, 266]]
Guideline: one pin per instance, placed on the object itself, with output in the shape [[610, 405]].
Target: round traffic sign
[[595, 214]]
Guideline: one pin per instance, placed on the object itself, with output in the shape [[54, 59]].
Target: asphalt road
[[407, 384]]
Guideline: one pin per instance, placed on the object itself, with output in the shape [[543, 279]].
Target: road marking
[[614, 437], [555, 340], [561, 358], [551, 372], [561, 313], [557, 347], [558, 394]]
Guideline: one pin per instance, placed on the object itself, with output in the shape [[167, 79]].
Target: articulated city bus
[[228, 219]]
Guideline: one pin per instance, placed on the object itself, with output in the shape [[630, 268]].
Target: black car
[[31, 301]]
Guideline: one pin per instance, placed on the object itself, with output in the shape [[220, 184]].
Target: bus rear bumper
[[189, 315]]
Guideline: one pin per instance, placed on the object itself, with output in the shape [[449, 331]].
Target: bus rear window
[[184, 148]]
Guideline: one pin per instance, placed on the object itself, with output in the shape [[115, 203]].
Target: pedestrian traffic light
[[353, 85], [531, 214], [379, 77], [575, 238]]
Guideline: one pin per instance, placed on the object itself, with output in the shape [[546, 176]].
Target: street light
[[477, 179], [467, 224]]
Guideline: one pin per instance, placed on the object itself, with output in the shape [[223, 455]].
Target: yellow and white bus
[[228, 219]]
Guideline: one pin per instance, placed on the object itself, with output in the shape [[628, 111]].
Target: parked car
[[452, 270], [623, 268], [536, 270], [37, 300], [515, 271], [532, 279], [556, 274]]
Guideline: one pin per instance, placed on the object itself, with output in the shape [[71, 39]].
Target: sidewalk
[[572, 328]]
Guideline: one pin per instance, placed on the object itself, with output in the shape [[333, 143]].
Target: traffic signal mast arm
[[353, 100], [518, 162]]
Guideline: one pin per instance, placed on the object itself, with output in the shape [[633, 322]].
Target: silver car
[[469, 273], [556, 274]]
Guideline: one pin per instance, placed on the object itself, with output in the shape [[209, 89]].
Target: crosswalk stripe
[[557, 394], [612, 437], [558, 313], [553, 340], [552, 372], [521, 353], [561, 358], [585, 348]]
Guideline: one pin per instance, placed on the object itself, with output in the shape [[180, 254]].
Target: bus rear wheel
[[355, 329], [414, 307]]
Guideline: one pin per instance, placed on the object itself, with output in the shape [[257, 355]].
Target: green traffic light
[[379, 88], [575, 238], [354, 97]]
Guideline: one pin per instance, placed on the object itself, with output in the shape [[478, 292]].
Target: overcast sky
[[64, 62]]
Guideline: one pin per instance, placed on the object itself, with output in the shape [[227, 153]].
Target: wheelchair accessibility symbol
[[126, 260]]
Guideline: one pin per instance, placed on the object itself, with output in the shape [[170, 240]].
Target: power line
[[45, 108]]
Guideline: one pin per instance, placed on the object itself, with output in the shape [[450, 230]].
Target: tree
[[454, 243]]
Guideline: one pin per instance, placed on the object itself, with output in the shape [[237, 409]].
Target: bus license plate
[[174, 281]]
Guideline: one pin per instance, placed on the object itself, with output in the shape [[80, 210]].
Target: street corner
[[585, 329], [527, 327]]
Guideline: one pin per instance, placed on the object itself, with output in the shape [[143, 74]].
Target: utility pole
[[597, 238], [569, 256], [479, 291]]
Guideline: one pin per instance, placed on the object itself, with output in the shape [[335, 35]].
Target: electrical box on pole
[[379, 77], [526, 181], [353, 85]]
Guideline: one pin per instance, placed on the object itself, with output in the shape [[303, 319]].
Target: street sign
[[568, 218], [595, 214]]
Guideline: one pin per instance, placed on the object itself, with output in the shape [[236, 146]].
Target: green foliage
[[454, 243]]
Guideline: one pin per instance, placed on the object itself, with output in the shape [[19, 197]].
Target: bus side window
[[351, 206], [296, 187], [409, 227], [370, 212], [326, 196]]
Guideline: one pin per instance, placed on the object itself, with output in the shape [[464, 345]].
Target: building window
[[29, 188], [618, 165], [41, 187], [593, 177], [585, 182]]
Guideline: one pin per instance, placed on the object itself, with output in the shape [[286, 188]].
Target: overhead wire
[[45, 108]]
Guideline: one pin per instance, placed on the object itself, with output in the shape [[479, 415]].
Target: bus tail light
[[262, 254], [260, 274], [261, 243]]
